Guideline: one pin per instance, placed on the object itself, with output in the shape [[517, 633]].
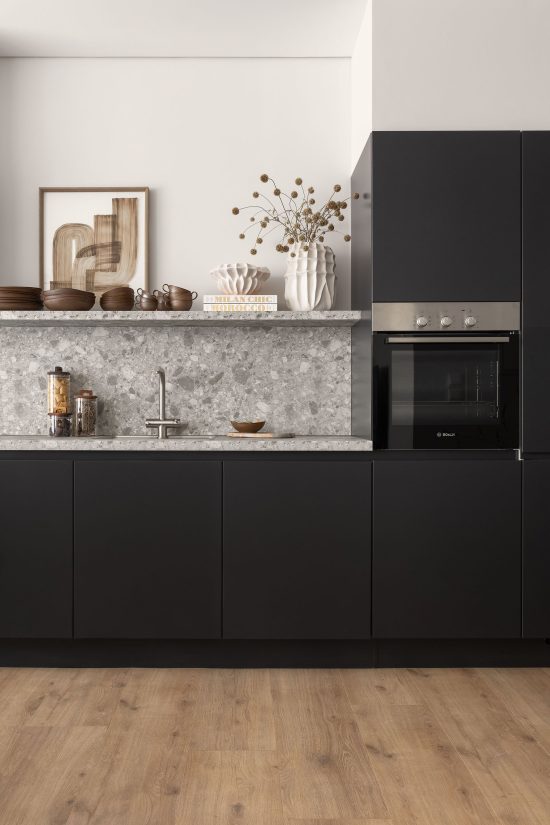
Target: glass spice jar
[[86, 413], [59, 392]]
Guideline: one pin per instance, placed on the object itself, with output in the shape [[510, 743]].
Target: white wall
[[461, 64], [361, 86], [199, 132]]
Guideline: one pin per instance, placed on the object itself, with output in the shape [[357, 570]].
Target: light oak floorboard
[[501, 753], [274, 747]]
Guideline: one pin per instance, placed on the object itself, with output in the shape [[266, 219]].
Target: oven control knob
[[421, 321], [446, 321], [470, 321]]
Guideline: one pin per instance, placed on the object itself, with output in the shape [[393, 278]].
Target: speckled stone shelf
[[339, 318]]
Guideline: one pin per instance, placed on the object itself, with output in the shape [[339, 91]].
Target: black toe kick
[[271, 653]]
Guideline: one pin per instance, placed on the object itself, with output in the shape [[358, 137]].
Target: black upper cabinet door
[[297, 549], [36, 549], [447, 216], [148, 549], [536, 290], [447, 549], [536, 553]]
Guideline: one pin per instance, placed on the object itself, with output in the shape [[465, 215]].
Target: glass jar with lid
[[59, 392], [85, 413]]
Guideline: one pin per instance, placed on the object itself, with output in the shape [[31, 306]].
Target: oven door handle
[[447, 339]]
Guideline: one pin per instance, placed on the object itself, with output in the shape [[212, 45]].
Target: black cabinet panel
[[148, 549], [446, 216], [447, 549], [536, 549], [536, 290], [297, 549], [36, 549]]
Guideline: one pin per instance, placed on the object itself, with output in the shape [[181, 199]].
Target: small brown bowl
[[69, 300], [247, 426], [118, 299], [77, 293], [119, 290]]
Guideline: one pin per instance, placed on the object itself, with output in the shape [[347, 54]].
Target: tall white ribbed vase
[[310, 279]]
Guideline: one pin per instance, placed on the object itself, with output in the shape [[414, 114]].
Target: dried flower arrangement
[[300, 222]]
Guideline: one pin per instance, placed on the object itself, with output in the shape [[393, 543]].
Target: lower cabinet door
[[36, 548], [148, 549], [447, 549], [296, 549], [536, 548]]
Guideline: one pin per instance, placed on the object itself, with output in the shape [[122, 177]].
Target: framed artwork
[[94, 239]]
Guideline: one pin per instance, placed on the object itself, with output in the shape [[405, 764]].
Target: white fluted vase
[[310, 278]]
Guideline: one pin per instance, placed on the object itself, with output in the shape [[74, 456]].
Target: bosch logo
[[446, 435]]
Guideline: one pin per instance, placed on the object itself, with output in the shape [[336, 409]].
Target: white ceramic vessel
[[310, 278], [239, 278]]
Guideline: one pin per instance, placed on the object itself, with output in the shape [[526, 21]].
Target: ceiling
[[179, 28]]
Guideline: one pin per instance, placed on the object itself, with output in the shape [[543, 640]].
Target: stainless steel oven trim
[[448, 339], [490, 316]]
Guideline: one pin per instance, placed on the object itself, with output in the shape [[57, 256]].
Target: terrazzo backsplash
[[297, 379]]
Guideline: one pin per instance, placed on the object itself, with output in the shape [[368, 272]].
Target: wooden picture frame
[[116, 237]]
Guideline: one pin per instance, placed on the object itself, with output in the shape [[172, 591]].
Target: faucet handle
[[163, 422]]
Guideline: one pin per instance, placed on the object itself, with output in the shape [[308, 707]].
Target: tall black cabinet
[[536, 383], [536, 291]]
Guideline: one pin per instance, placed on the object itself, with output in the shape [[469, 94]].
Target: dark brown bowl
[[118, 292], [122, 301], [119, 306], [68, 303], [247, 426], [15, 306], [21, 290], [65, 293]]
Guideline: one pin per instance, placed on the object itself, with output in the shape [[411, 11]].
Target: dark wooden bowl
[[70, 303], [247, 426]]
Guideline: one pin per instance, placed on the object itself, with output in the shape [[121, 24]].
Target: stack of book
[[240, 303]]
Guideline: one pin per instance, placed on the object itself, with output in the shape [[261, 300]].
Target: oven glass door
[[437, 392]]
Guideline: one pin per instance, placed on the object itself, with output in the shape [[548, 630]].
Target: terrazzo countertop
[[217, 443]]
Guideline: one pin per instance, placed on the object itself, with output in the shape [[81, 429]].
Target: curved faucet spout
[[162, 423]]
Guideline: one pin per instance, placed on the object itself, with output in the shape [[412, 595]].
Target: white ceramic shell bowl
[[239, 279]]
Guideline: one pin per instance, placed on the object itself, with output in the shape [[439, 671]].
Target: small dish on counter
[[247, 426], [68, 300]]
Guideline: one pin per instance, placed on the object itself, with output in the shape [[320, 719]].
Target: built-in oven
[[446, 376]]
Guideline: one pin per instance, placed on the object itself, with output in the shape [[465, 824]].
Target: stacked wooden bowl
[[67, 300], [20, 298], [118, 299]]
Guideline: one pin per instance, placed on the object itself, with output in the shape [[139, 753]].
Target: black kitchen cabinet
[[36, 550], [147, 549], [536, 290], [447, 549], [446, 219], [536, 548], [297, 549]]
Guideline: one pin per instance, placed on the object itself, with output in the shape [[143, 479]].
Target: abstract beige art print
[[94, 239]]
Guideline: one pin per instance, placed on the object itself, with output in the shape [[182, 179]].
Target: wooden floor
[[274, 747]]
